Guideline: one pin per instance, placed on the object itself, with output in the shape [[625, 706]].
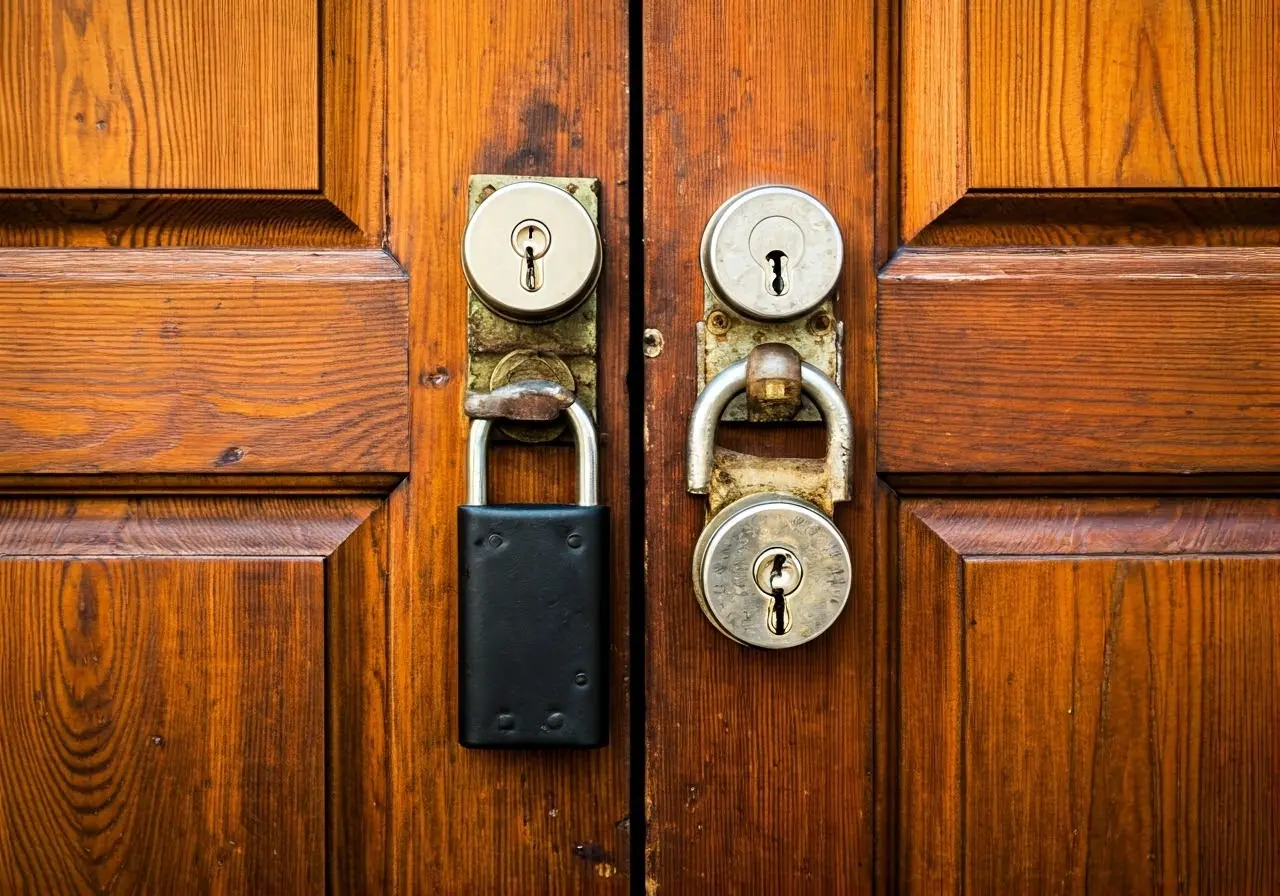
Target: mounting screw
[[718, 322], [820, 324]]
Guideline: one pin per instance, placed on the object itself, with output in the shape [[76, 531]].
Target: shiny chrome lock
[[771, 569], [772, 253], [531, 252]]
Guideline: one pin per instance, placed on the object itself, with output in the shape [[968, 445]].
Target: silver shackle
[[584, 430], [700, 454]]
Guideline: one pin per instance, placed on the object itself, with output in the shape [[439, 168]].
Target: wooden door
[[232, 346], [1059, 666]]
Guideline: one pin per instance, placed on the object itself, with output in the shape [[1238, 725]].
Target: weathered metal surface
[[492, 340], [528, 400], [773, 383], [737, 475], [724, 336]]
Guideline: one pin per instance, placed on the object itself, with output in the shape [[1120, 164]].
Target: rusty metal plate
[[724, 336], [500, 351]]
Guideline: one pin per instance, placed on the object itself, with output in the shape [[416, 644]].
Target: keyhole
[[531, 240], [778, 622], [530, 269], [778, 279]]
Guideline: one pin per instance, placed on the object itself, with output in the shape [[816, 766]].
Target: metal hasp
[[532, 255], [533, 622], [771, 569], [771, 257]]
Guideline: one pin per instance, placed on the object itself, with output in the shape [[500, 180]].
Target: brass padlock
[[771, 569]]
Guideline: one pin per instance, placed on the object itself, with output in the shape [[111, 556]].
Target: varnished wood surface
[[1111, 93], [202, 362], [149, 220], [137, 95], [313, 573], [933, 92], [1089, 360], [480, 87], [759, 765], [164, 721], [171, 526], [1072, 720], [1097, 218]]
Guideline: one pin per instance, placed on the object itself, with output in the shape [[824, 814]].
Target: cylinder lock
[[771, 569]]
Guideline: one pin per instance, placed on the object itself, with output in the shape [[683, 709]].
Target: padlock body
[[727, 578], [533, 626]]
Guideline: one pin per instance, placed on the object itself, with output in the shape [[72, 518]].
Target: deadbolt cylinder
[[531, 252]]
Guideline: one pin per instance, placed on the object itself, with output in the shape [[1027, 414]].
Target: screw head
[[574, 540], [718, 322], [820, 324], [580, 679], [506, 721], [555, 720], [495, 541]]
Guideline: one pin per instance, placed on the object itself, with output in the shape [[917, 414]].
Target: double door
[[233, 355]]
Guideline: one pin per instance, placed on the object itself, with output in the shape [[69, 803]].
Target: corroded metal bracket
[[724, 336], [502, 351]]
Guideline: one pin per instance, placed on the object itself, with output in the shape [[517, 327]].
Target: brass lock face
[[772, 570], [772, 253], [531, 252]]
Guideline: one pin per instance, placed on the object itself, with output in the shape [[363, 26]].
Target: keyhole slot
[[779, 623], [530, 270], [531, 240], [778, 279]]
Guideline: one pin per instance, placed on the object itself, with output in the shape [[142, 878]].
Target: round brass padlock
[[772, 570]]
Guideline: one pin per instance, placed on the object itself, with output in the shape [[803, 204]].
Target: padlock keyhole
[[778, 613], [778, 284]]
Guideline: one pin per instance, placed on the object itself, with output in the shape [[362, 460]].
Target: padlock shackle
[[700, 453], [584, 430]]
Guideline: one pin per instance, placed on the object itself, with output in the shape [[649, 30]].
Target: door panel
[[197, 361], [1119, 360], [166, 663], [1124, 95], [1087, 694], [1087, 95], [137, 95]]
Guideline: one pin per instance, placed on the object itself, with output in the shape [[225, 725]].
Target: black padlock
[[533, 625]]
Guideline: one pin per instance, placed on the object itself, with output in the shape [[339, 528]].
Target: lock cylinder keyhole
[[777, 275], [777, 574], [530, 240]]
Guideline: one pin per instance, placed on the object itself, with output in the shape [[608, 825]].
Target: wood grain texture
[[173, 526], [1100, 218], [1074, 720], [170, 220], [355, 110], [1112, 93], [759, 765], [359, 593], [142, 95], [1088, 360], [168, 361], [934, 108], [493, 87], [306, 583], [164, 720]]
